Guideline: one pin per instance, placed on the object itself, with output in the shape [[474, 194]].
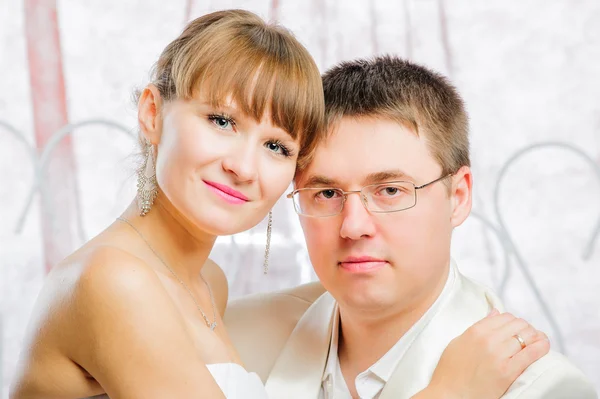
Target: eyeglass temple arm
[[435, 181]]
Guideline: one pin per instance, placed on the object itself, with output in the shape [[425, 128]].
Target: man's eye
[[327, 194], [389, 191]]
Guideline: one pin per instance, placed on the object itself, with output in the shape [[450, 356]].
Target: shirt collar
[[385, 366]]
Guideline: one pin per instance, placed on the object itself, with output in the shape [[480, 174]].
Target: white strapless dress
[[234, 381]]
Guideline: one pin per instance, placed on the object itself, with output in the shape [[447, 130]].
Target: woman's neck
[[176, 241]]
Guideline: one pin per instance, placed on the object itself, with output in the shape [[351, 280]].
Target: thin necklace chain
[[210, 325]]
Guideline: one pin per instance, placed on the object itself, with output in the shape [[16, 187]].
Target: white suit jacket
[[285, 337]]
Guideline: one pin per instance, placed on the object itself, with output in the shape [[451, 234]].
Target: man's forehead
[[381, 131], [365, 150]]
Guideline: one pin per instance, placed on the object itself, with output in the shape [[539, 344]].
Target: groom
[[378, 203]]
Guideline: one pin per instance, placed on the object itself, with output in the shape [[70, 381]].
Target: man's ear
[[149, 114], [461, 195]]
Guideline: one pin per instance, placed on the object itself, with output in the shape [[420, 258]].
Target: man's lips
[[227, 190], [362, 264]]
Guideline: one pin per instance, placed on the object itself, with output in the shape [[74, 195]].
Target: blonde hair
[[235, 55]]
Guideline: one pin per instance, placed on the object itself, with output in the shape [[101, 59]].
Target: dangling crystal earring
[[268, 247], [147, 186]]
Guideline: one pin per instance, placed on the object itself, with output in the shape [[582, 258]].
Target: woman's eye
[[278, 148], [221, 122], [274, 147]]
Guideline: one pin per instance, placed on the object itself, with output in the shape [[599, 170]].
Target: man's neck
[[366, 338]]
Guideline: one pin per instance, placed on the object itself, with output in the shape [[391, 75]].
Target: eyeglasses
[[378, 198]]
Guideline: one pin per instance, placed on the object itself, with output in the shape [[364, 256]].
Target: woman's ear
[[149, 114]]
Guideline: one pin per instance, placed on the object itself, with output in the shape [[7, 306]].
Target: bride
[[233, 106]]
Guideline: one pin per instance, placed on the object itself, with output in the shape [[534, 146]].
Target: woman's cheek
[[276, 179]]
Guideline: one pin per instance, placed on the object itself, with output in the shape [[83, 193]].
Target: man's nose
[[357, 220]]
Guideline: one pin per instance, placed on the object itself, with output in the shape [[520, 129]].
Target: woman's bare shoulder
[[94, 305], [99, 287], [90, 276], [113, 278], [114, 268], [129, 325]]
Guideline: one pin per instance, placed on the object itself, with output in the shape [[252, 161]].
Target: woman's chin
[[225, 226]]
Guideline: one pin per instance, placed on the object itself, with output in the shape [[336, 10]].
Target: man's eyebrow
[[372, 178], [319, 180], [387, 175]]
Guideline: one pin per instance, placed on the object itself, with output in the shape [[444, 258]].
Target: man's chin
[[365, 299]]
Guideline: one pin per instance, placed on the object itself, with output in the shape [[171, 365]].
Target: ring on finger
[[521, 340]]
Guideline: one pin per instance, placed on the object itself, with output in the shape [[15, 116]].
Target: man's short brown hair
[[400, 90]]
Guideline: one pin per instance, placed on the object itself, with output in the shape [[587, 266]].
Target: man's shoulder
[[552, 377], [259, 325], [303, 295], [273, 310]]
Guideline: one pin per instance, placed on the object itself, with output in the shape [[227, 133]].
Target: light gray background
[[528, 70]]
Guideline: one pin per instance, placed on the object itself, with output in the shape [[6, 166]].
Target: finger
[[493, 322], [523, 359], [511, 328], [511, 346], [540, 336], [493, 312]]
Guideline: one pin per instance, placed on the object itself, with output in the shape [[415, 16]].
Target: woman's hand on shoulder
[[486, 359], [132, 338]]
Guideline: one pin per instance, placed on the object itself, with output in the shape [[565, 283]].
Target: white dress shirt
[[370, 382]]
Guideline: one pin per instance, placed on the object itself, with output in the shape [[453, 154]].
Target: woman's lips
[[226, 193]]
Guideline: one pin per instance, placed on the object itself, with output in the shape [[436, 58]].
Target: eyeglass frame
[[362, 197]]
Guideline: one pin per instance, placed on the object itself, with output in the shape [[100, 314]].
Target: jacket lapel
[[464, 307], [298, 371]]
